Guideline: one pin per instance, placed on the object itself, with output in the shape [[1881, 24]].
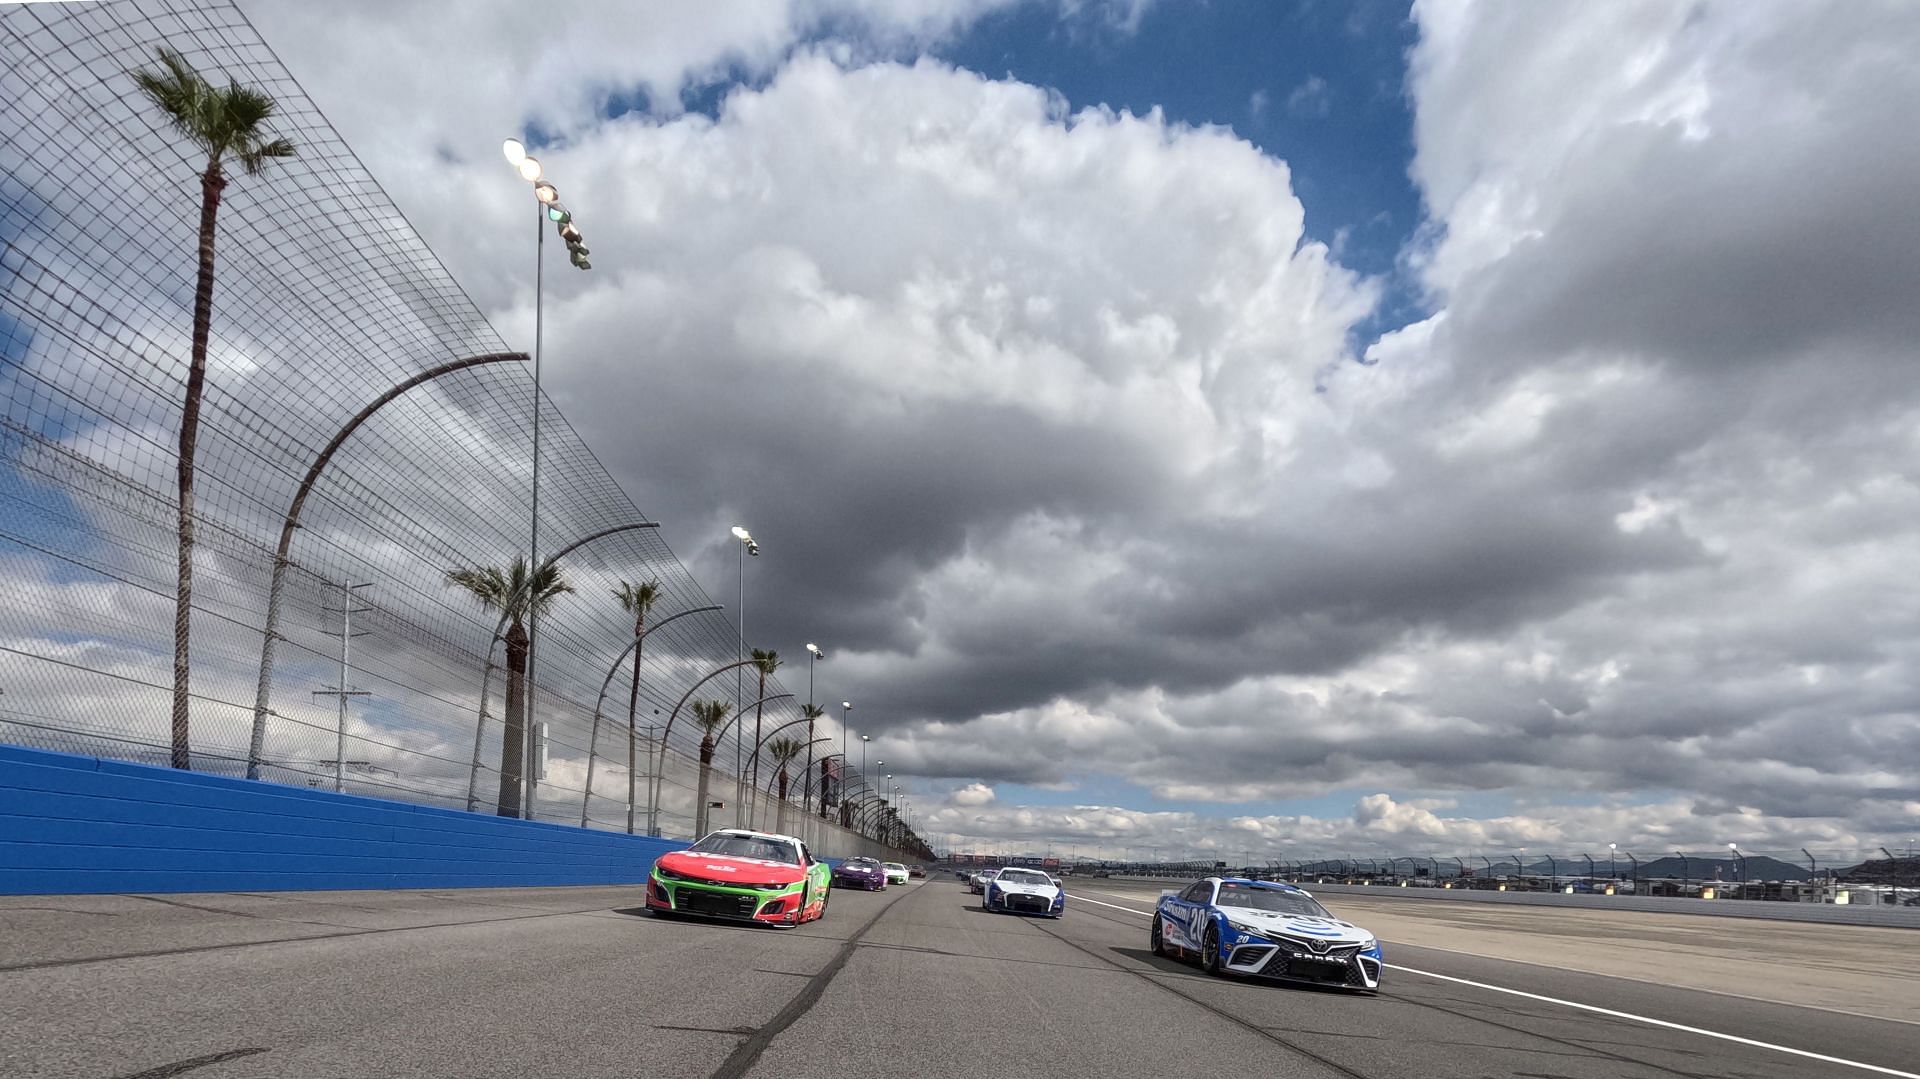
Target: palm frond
[[766, 661], [710, 714], [254, 158], [784, 749], [222, 122]]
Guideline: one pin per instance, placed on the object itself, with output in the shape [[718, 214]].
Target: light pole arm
[[735, 718], [263, 690], [600, 702]]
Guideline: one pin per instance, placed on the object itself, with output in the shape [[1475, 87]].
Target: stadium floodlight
[[515, 150], [545, 192], [529, 169]]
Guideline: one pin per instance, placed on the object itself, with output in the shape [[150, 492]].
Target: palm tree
[[766, 661], [637, 600], [517, 597], [783, 749], [228, 125], [709, 715], [809, 712]]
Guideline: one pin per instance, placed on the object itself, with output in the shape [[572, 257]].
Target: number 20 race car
[[741, 876], [1262, 929]]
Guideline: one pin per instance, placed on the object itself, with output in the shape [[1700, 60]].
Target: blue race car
[[1261, 929]]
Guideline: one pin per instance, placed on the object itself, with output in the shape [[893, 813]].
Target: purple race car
[[860, 873]]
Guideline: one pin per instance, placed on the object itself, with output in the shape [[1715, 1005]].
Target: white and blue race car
[[1023, 891], [1262, 929]]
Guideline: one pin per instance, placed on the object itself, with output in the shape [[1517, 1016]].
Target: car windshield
[[747, 846], [896, 865], [1269, 899], [863, 863], [1025, 876]]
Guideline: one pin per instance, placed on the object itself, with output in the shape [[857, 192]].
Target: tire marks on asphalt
[[747, 1053], [179, 1067]]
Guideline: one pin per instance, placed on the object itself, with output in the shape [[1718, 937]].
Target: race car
[[1260, 929], [897, 873], [917, 872], [860, 873], [742, 876], [977, 882], [1023, 891]]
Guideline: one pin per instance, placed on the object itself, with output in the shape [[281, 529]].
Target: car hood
[[1294, 925], [1046, 890], [862, 870], [726, 869]]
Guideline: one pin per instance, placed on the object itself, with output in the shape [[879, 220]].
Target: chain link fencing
[[325, 300]]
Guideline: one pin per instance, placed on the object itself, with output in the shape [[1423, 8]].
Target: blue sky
[[1320, 86]]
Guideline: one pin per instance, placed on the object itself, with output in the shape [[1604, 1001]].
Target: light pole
[[814, 654], [550, 209], [747, 547], [864, 739], [1739, 866], [1611, 848]]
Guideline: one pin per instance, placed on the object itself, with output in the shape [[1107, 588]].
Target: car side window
[[1198, 892]]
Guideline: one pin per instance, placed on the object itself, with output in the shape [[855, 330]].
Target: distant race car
[[1024, 891], [1265, 930], [917, 871], [897, 873], [860, 873], [977, 883], [742, 876]]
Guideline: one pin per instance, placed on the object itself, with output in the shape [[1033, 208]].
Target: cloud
[[973, 794], [1312, 99], [1050, 422]]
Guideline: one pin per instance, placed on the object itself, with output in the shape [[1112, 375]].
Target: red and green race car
[[742, 876]]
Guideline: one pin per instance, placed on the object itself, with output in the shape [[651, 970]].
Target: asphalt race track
[[913, 981]]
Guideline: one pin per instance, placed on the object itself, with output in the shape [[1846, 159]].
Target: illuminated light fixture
[[546, 192], [742, 534], [516, 152], [529, 168], [558, 214]]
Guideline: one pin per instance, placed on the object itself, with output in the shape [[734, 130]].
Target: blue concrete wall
[[82, 824]]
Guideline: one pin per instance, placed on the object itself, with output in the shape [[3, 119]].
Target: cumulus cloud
[[1053, 427]]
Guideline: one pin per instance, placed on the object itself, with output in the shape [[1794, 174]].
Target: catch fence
[[325, 299]]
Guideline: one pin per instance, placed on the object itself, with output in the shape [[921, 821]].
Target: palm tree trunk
[[513, 737], [633, 705], [211, 183], [706, 776], [780, 807]]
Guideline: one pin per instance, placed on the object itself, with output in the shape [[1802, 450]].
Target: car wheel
[[1210, 951], [1156, 938]]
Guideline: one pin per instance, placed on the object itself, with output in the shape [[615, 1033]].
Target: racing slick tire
[[1156, 938], [1210, 951]]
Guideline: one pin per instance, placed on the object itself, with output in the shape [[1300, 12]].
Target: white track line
[[1664, 1023], [1650, 1021]]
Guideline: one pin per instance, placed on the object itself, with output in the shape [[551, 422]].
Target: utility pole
[[347, 611]]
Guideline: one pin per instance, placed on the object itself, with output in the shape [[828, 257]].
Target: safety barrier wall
[[1837, 914], [84, 824]]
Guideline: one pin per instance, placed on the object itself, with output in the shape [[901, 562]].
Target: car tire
[[1157, 937], [1210, 951]]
